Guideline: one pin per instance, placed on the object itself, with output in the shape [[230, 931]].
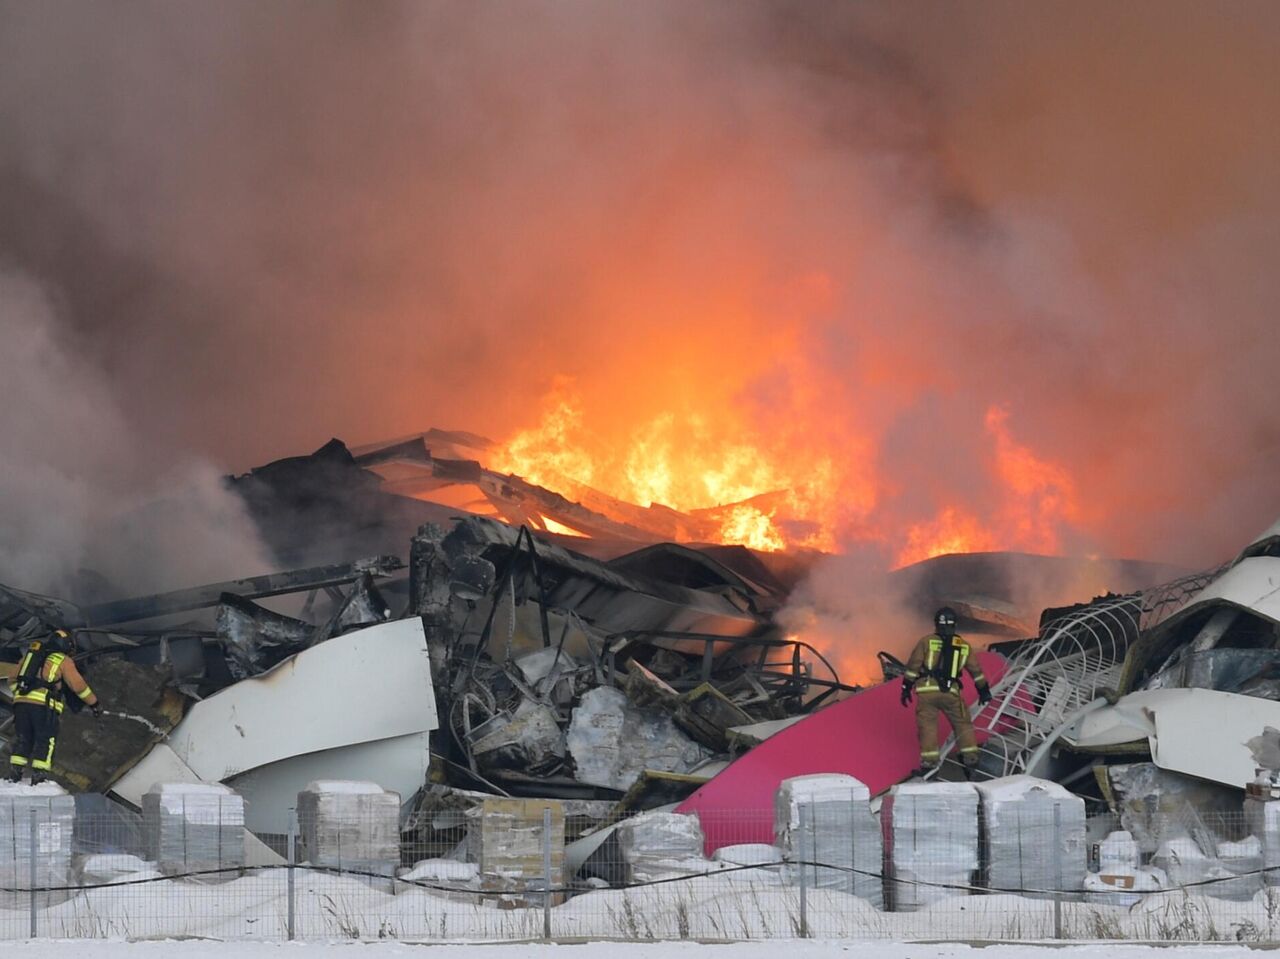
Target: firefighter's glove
[[906, 692], [97, 710], [984, 694]]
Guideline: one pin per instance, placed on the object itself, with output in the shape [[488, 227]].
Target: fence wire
[[939, 868]]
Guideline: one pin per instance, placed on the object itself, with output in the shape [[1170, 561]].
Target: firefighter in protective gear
[[934, 672], [38, 701]]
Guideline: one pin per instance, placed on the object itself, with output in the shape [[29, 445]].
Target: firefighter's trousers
[[929, 703], [36, 726]]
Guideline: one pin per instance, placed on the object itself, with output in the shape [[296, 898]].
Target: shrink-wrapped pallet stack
[[194, 829], [349, 826], [53, 811], [1262, 820], [1033, 836], [659, 845], [824, 826], [931, 843], [510, 842]]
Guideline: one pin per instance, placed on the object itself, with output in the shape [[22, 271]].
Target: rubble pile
[[507, 646]]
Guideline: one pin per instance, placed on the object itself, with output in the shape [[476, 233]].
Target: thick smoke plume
[[867, 243], [80, 516]]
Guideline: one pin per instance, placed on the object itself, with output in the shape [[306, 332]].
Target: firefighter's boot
[[37, 777], [15, 774]]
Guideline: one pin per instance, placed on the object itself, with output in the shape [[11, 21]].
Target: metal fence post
[[293, 859], [853, 843], [546, 873], [803, 811], [1057, 856], [32, 873]]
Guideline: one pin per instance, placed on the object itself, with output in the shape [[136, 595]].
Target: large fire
[[766, 499]]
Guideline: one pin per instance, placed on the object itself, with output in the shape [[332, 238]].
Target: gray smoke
[[84, 512], [267, 224]]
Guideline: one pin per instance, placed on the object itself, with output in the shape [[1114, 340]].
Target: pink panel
[[870, 735]]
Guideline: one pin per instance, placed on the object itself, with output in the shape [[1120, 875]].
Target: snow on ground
[[718, 907], [807, 949]]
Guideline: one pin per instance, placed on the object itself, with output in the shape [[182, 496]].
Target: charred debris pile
[[552, 673], [527, 645]]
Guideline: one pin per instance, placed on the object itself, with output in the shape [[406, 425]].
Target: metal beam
[[255, 587]]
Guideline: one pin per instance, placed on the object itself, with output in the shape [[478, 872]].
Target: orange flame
[[774, 499], [1040, 499], [669, 461]]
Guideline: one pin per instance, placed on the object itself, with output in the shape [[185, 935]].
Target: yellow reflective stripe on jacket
[[933, 650], [53, 666], [50, 672], [85, 693]]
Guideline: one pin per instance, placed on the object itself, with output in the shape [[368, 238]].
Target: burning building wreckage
[[536, 647]]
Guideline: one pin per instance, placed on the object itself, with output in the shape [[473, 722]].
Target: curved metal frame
[[1076, 661]]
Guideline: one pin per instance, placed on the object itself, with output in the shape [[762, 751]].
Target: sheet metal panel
[[1125, 722], [1253, 584], [1202, 732], [870, 736], [398, 764], [367, 685]]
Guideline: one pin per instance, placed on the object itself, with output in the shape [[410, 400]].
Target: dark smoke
[[249, 227]]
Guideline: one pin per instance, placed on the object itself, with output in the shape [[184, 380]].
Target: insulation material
[[1033, 835], [54, 815], [1262, 819], [825, 821], [1189, 867], [1242, 859], [1118, 851], [656, 845], [931, 843], [194, 827], [529, 740], [612, 741], [508, 839], [1155, 805], [352, 826]]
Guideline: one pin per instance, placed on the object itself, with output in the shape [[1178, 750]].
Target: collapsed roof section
[[553, 672], [1238, 609]]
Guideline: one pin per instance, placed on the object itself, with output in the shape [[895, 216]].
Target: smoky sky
[[255, 226]]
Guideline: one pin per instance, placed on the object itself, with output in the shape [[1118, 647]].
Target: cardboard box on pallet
[[507, 839]]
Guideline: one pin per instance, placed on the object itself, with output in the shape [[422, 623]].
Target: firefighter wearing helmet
[[934, 672], [38, 701]]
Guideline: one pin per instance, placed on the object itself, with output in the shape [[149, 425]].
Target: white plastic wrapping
[[1188, 866], [1033, 836], [841, 841], [655, 845], [612, 741], [349, 826], [931, 843], [1118, 851], [116, 867], [194, 828]]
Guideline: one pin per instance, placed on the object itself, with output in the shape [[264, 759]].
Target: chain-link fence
[[952, 869]]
